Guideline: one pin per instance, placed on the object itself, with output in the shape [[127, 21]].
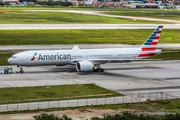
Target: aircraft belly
[[48, 62]]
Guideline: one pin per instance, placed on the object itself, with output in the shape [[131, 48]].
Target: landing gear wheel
[[21, 69], [98, 70], [102, 70], [5, 72]]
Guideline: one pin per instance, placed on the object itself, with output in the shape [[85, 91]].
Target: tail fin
[[151, 42]]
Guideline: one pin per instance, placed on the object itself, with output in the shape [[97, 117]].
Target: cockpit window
[[14, 57]]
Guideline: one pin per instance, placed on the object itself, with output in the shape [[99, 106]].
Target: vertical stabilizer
[[151, 42], [148, 49]]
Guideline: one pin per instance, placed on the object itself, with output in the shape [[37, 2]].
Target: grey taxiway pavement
[[139, 76], [84, 26], [127, 78]]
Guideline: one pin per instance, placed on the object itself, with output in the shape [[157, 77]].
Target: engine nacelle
[[84, 66]]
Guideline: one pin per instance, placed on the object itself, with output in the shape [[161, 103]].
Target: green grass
[[161, 15], [40, 17], [59, 91], [111, 36], [4, 57]]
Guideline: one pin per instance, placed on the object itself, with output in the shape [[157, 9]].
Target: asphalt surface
[[145, 76], [131, 79], [124, 77], [84, 26]]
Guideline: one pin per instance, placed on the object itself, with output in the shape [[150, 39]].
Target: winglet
[[76, 47]]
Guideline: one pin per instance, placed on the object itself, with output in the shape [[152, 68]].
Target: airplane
[[87, 59]]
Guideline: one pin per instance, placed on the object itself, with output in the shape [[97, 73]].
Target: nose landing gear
[[97, 68], [21, 69]]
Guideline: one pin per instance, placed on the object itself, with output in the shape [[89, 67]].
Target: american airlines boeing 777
[[87, 59]]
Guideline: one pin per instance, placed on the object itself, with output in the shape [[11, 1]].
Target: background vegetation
[[4, 3], [54, 3], [124, 116], [160, 15], [4, 57], [89, 8], [43, 17]]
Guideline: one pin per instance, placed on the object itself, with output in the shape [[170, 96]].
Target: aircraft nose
[[9, 60]]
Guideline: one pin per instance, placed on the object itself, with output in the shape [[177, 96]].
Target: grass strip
[[59, 92], [4, 57], [150, 106], [44, 17], [160, 15], [100, 36]]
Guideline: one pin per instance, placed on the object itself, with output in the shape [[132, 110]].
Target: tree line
[[5, 3], [52, 3], [124, 116]]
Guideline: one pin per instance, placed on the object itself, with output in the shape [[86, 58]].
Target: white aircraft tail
[[151, 42], [149, 47]]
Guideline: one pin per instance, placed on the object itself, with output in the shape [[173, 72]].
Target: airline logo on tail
[[151, 43], [33, 58]]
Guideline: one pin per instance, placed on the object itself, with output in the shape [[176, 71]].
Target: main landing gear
[[21, 69], [97, 68]]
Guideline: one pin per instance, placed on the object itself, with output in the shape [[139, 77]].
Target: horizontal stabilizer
[[169, 51]]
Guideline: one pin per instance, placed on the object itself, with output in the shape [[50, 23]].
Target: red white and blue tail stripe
[[149, 47], [152, 41]]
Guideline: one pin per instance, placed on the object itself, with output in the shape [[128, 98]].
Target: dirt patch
[[84, 110], [2, 11], [83, 114]]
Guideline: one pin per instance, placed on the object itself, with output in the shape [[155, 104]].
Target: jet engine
[[84, 66]]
